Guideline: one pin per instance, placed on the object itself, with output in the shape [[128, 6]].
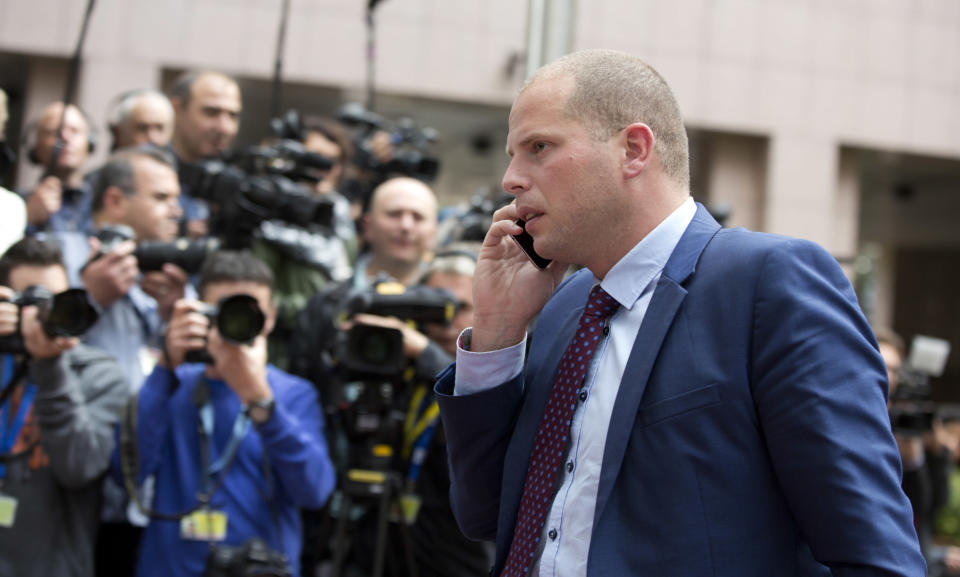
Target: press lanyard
[[418, 432], [240, 427], [11, 428]]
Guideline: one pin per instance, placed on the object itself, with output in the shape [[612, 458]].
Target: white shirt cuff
[[478, 372]]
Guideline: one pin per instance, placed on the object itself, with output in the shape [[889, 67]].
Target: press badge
[[409, 507], [148, 359], [8, 511], [204, 526]]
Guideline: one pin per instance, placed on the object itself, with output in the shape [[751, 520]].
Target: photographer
[[58, 429], [60, 202], [206, 109], [439, 548], [264, 454], [927, 454], [305, 259], [399, 229], [136, 188], [141, 117]]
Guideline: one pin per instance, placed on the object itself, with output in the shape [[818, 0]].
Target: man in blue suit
[[732, 419]]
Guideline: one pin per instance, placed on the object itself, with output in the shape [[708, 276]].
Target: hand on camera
[[414, 342], [166, 286], [9, 313], [45, 200], [37, 342], [242, 367], [109, 277], [187, 331]]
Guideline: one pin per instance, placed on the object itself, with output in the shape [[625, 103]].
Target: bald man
[[60, 202]]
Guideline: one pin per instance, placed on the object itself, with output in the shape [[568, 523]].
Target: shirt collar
[[633, 273]]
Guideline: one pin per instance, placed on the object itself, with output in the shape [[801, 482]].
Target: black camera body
[[369, 352], [238, 319], [65, 314], [188, 254], [252, 559]]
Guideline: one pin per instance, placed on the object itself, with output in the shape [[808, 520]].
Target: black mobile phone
[[525, 241]]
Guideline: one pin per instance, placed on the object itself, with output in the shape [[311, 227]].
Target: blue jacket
[[168, 443], [750, 435]]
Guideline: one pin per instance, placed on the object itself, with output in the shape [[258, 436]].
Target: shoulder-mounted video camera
[[372, 352], [65, 314], [187, 254]]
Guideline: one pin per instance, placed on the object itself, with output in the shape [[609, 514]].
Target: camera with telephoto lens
[[252, 559], [260, 183], [411, 154], [65, 314], [238, 319], [152, 255]]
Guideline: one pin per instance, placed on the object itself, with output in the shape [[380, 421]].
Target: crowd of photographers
[[220, 361]]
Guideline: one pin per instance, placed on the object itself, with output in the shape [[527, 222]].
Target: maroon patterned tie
[[551, 439]]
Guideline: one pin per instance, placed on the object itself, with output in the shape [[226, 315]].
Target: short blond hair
[[613, 90]]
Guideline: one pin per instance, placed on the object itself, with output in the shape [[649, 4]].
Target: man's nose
[[514, 181]]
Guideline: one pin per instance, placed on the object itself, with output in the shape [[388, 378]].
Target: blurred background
[[832, 120]]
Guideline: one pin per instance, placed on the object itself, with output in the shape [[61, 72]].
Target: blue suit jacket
[[750, 434]]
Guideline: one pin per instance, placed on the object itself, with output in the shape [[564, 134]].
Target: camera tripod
[[382, 489]]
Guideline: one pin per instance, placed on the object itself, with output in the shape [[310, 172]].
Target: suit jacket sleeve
[[820, 389], [478, 428]]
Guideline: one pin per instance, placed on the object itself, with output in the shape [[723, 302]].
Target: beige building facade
[[832, 120]]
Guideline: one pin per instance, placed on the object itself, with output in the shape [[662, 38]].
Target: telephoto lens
[[70, 314], [239, 319]]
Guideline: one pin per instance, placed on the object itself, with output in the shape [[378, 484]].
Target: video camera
[[66, 314], [912, 410], [373, 370], [152, 255], [238, 319], [260, 183], [369, 352], [411, 145]]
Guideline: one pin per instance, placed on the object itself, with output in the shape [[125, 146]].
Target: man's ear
[[177, 104], [114, 203], [271, 320], [638, 142]]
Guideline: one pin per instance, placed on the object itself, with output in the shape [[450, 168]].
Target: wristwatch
[[260, 411]]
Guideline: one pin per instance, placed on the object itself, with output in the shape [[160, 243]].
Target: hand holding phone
[[525, 242]]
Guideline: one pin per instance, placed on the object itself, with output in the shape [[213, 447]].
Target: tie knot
[[600, 304]]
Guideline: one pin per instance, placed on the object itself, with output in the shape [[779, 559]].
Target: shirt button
[[552, 534], [583, 396], [569, 466], [606, 330]]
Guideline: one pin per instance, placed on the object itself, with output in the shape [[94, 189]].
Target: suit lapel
[[664, 306]]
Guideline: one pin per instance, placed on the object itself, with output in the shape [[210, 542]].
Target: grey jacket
[[79, 399]]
